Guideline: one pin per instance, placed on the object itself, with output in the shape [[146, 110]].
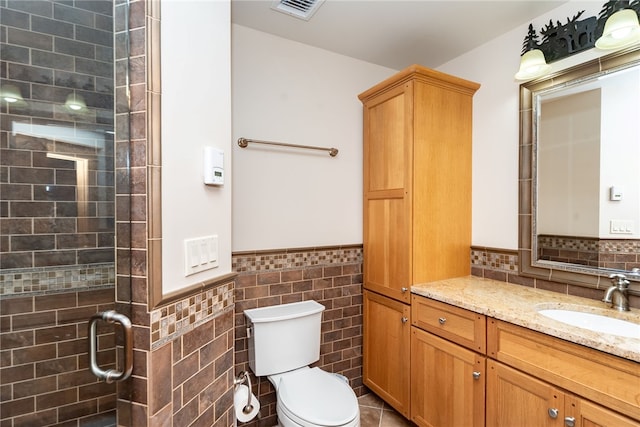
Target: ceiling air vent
[[302, 9]]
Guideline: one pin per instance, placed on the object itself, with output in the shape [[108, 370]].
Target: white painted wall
[[621, 152], [289, 92], [495, 124], [196, 112]]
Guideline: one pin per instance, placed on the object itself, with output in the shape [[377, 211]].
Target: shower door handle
[[111, 375]]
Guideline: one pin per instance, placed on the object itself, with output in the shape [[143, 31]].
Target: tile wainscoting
[[620, 254], [189, 369], [330, 275], [502, 265], [333, 277]]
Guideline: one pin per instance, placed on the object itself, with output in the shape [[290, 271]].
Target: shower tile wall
[[45, 375], [57, 255], [329, 275], [57, 167]]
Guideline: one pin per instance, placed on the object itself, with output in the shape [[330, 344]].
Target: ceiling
[[395, 33]]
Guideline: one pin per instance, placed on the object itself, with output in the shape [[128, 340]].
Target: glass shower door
[[63, 80]]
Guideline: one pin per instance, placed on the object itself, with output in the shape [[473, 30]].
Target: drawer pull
[[476, 375], [404, 290], [553, 413], [442, 320], [569, 421], [405, 319]]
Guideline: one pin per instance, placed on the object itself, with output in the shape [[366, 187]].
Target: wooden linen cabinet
[[417, 210]]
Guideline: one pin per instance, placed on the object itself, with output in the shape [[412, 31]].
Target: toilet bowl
[[311, 397], [283, 341]]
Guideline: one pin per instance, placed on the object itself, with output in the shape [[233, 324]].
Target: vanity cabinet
[[470, 370], [515, 398], [447, 377], [540, 380], [416, 208]]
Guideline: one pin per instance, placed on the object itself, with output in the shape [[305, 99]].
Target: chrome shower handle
[[111, 375]]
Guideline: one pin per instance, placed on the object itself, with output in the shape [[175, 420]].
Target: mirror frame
[[529, 265]]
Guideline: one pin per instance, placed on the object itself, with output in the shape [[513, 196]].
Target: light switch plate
[[200, 254]]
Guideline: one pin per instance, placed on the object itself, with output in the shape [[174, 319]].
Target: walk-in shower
[[64, 193]]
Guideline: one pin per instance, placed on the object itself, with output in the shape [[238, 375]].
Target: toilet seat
[[313, 397]]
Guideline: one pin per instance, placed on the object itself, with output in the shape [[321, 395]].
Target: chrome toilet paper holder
[[241, 379]]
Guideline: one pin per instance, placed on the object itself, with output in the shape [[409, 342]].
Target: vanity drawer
[[456, 324]]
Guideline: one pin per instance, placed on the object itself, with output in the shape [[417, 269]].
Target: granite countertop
[[519, 305]]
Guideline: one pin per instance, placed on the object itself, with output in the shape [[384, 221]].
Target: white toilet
[[283, 341]]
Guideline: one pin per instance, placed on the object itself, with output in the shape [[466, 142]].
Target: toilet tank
[[283, 337]]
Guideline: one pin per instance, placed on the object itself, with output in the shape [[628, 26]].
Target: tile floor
[[375, 413]]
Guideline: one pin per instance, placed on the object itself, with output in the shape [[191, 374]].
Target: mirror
[[579, 182]]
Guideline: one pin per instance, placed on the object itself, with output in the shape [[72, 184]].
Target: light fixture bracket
[[576, 35]]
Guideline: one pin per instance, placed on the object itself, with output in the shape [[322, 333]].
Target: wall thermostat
[[213, 166]]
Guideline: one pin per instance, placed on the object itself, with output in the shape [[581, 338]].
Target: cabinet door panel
[[516, 399], [387, 248], [387, 135], [444, 389], [386, 349], [587, 414]]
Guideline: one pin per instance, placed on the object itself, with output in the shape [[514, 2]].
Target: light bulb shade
[[532, 65], [75, 102], [10, 94], [621, 30]]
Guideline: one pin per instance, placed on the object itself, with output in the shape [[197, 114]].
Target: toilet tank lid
[[283, 311]]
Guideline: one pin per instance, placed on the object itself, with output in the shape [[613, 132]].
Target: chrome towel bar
[[243, 142]]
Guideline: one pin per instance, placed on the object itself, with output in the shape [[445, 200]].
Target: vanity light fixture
[[615, 27], [75, 102], [620, 30], [10, 94], [532, 65]]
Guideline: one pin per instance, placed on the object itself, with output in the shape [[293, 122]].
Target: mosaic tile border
[[495, 259], [627, 246], [260, 261], [38, 280], [619, 246], [572, 243], [184, 315]]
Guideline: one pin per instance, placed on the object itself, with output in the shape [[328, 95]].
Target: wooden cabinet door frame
[[386, 349]]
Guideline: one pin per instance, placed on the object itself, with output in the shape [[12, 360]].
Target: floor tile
[[370, 417], [375, 413], [370, 400], [391, 418]]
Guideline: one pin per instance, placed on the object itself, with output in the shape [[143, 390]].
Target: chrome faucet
[[617, 295]]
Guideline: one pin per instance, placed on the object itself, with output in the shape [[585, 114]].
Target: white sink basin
[[594, 322]]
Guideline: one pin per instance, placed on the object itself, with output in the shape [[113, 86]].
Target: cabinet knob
[[405, 319], [404, 289], [442, 320], [569, 421], [476, 375], [553, 413]]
